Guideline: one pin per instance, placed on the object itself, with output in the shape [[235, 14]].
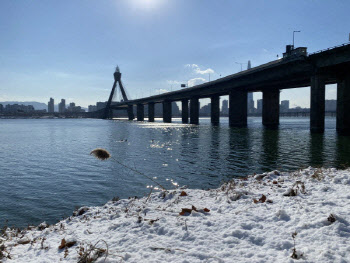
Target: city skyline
[[72, 48], [204, 110]]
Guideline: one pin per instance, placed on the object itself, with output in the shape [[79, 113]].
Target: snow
[[253, 219]]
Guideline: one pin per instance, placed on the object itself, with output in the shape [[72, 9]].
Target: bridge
[[295, 70]]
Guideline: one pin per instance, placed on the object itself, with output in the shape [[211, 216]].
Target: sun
[[146, 4]]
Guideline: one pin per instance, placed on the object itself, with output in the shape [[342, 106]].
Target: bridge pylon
[[117, 80]]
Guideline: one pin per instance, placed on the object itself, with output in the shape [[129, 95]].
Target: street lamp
[[240, 64], [293, 36]]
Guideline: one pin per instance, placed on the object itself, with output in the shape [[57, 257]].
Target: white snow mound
[[302, 216]]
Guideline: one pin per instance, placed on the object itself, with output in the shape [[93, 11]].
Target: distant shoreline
[[158, 117]]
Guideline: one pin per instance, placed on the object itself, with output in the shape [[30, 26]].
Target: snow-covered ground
[[274, 217]]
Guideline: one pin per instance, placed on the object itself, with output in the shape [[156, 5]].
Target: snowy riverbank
[[256, 219]]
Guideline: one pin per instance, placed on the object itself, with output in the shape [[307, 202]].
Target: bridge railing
[[323, 50]]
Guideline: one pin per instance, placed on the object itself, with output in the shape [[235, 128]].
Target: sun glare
[[146, 4]]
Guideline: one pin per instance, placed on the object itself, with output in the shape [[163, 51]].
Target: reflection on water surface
[[46, 169]]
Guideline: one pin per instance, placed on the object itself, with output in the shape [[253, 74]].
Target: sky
[[69, 49]]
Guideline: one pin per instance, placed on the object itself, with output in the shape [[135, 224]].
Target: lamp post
[[240, 64], [293, 36]]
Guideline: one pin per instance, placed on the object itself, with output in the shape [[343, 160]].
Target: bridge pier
[[184, 106], [271, 108], [151, 112], [343, 104], [317, 103], [140, 112], [194, 110], [215, 109], [131, 112], [238, 112], [167, 111]]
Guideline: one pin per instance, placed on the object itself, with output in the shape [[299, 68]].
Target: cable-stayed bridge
[[295, 70]]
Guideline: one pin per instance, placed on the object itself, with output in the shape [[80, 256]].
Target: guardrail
[[323, 50]]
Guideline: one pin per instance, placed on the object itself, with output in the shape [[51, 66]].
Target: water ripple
[[47, 171]]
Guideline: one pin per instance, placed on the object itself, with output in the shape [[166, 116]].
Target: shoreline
[[267, 217]]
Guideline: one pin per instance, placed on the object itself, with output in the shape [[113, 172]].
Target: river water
[[46, 170]]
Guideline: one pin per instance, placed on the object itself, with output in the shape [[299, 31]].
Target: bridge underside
[[317, 70], [127, 108]]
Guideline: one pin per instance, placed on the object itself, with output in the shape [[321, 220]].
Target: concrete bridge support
[[167, 111], [194, 110], [215, 110], [238, 108], [131, 112], [317, 103], [343, 104], [151, 112], [271, 108], [184, 106], [140, 112]]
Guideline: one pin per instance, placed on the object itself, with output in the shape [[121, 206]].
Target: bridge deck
[[284, 73]]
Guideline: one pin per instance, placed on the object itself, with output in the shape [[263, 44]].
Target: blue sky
[[69, 49]]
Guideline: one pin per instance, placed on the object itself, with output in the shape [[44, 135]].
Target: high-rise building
[[73, 108], [259, 105], [1, 108], [249, 65], [51, 106], [205, 110], [101, 105], [62, 106], [224, 109], [92, 108], [16, 108], [251, 108], [330, 105], [284, 106]]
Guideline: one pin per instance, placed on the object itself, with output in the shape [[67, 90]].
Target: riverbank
[[302, 216]]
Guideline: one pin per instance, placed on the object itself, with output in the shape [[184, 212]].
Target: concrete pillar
[[131, 112], [317, 104], [184, 106], [343, 104], [194, 110], [238, 108], [151, 112], [167, 111], [271, 108], [215, 109], [140, 112]]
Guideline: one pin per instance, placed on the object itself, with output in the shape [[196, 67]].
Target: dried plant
[[91, 253], [331, 218], [4, 253], [295, 254], [318, 175], [103, 154], [298, 186]]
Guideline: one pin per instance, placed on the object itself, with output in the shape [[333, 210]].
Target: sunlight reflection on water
[[46, 168]]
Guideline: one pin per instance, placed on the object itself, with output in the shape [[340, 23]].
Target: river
[[46, 170]]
